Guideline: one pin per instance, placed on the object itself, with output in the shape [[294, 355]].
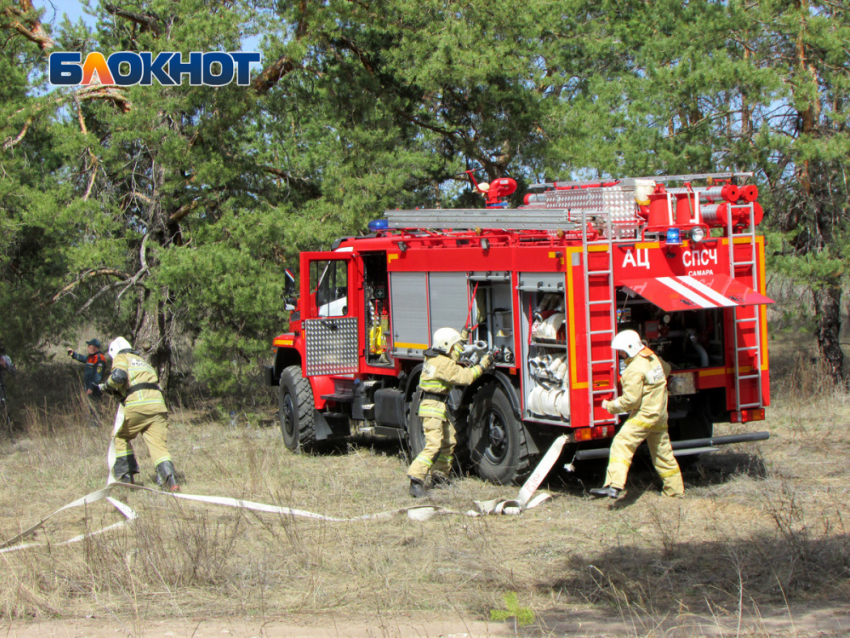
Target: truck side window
[[329, 283]]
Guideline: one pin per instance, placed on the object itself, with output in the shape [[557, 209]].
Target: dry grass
[[763, 528]]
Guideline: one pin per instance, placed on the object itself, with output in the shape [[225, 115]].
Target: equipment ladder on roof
[[471, 218], [605, 377], [753, 353]]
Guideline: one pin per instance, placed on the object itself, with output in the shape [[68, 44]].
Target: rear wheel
[[415, 433], [498, 446], [295, 407]]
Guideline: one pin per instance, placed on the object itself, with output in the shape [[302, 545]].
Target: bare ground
[[759, 547], [580, 623]]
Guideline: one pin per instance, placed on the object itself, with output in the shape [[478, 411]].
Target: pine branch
[[14, 141], [105, 92], [286, 177], [184, 210], [97, 272], [272, 74], [148, 22], [24, 21]]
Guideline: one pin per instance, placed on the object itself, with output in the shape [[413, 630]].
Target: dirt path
[[222, 628], [799, 623], [764, 623]]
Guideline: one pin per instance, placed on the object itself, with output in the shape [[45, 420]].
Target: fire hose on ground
[[525, 500]]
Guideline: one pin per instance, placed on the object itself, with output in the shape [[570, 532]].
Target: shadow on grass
[[343, 446], [763, 569], [710, 469]]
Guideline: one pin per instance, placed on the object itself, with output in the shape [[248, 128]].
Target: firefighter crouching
[[440, 374], [144, 413], [645, 399]]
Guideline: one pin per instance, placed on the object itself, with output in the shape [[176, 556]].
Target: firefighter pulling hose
[[144, 413], [440, 373]]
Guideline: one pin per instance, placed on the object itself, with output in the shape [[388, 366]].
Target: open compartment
[[493, 314], [544, 327]]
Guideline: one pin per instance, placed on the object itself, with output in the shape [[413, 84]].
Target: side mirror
[[289, 296]]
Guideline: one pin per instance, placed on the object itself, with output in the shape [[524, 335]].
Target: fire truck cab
[[545, 286]]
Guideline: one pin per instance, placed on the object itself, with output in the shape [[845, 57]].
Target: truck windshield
[[329, 282]]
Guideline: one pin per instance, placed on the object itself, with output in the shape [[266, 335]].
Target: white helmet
[[444, 339], [628, 341], [118, 345]]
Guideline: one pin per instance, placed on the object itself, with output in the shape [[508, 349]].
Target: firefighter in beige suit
[[645, 399], [440, 374], [136, 381]]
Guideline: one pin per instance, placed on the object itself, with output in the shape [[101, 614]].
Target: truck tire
[[498, 448], [415, 434], [295, 408]]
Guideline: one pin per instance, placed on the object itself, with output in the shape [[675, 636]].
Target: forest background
[[167, 214]]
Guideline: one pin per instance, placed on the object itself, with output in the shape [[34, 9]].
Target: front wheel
[[498, 446], [295, 408]]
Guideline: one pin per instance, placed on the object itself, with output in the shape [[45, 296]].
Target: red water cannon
[[496, 192]]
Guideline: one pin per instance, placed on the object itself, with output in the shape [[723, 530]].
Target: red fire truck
[[544, 286]]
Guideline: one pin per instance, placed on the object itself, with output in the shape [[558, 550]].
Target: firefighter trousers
[[154, 431], [623, 449], [436, 456]]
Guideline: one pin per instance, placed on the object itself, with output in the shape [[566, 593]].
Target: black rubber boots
[[124, 468], [417, 488], [166, 476]]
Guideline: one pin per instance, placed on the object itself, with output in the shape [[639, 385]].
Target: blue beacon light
[[377, 225], [674, 237]]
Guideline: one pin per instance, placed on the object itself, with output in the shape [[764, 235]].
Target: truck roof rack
[[502, 218], [629, 181]]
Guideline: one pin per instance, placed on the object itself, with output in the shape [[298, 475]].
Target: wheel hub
[[497, 435], [288, 414], [497, 440]]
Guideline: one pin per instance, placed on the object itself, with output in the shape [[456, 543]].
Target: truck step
[[339, 398]]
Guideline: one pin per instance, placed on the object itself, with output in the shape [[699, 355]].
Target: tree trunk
[[153, 339], [828, 313]]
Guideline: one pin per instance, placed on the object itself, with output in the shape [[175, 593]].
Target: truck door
[[329, 321]]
